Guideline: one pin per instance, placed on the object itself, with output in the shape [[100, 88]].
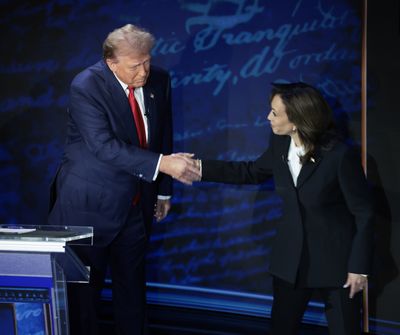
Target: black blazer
[[326, 228], [103, 166]]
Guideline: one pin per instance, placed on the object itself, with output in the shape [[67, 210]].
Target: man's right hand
[[181, 167]]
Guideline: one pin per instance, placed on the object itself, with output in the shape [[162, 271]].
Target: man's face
[[133, 69]]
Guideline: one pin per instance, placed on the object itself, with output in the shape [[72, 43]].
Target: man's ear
[[111, 64]]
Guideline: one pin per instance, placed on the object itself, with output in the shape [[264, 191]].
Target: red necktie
[[137, 116]]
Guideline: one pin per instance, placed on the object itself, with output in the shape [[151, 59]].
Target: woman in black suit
[[324, 239]]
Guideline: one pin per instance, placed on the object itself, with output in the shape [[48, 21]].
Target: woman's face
[[278, 118]]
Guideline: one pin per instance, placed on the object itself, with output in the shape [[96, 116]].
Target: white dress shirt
[[138, 92], [294, 155]]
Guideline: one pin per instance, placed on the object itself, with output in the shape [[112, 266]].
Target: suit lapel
[[308, 168], [149, 105], [121, 104], [284, 149]]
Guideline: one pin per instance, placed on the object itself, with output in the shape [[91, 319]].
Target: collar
[[125, 86]]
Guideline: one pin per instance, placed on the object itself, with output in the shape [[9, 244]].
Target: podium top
[[45, 233]]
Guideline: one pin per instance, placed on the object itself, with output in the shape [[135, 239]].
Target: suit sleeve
[[89, 116], [358, 198], [229, 172]]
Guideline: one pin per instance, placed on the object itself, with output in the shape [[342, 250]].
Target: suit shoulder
[[156, 70], [342, 150], [158, 74], [344, 147], [159, 79], [91, 74]]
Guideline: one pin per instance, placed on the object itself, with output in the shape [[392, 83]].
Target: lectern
[[35, 264]]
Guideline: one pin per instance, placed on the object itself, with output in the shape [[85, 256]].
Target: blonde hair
[[127, 39]]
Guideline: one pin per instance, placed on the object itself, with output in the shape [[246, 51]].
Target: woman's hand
[[356, 282]]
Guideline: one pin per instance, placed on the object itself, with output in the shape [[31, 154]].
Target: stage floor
[[165, 320]]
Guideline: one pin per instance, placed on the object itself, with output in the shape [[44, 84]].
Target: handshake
[[182, 167]]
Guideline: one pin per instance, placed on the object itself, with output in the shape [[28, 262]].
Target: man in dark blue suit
[[116, 174]]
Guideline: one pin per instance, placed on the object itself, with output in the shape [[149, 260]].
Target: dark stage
[[165, 320]]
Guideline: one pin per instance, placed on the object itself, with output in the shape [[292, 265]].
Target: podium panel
[[35, 264]]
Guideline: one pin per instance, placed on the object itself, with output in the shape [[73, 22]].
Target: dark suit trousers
[[290, 302], [125, 257]]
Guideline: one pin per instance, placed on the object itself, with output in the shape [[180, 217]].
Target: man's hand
[[161, 209], [181, 167], [356, 282]]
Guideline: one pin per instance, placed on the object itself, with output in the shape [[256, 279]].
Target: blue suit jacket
[[326, 228], [103, 166]]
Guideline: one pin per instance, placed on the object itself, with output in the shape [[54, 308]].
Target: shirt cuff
[[163, 197], [157, 168]]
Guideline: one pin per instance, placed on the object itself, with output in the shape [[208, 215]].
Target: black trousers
[[125, 258], [290, 302]]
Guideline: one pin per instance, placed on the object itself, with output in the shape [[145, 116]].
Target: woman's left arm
[[359, 201]]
